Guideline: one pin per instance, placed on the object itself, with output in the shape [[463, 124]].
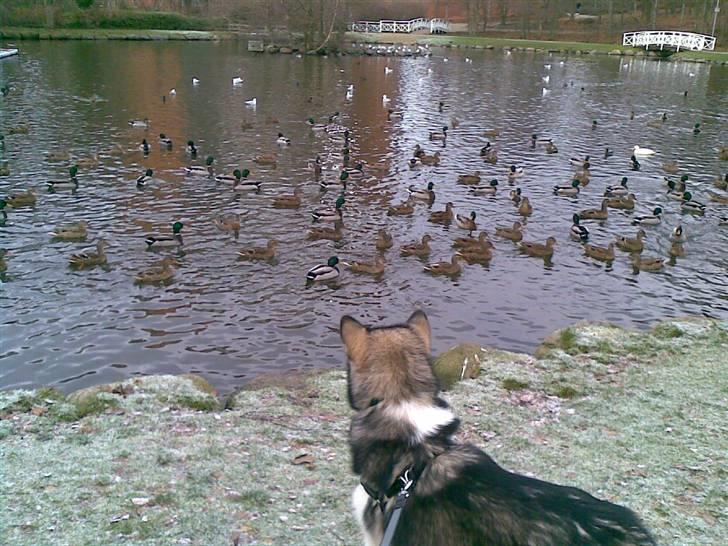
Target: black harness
[[401, 490]]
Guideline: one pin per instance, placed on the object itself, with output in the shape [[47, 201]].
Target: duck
[[384, 240], [642, 151], [355, 172], [229, 179], [470, 242], [696, 129], [443, 216], [330, 234], [288, 201], [525, 208], [608, 153], [466, 222], [266, 159], [324, 272], [342, 181], [140, 123], [227, 222], [3, 264], [329, 215], [422, 194], [91, 160], [515, 196], [191, 148], [71, 183], [23, 199], [252, 103], [282, 140], [145, 179], [199, 170], [162, 272], [624, 203], [723, 153], [165, 141], [3, 214], [677, 250], [579, 162], [670, 167], [432, 160], [680, 185], [90, 257], [144, 147], [571, 189], [469, 179], [595, 214], [393, 114], [162, 241], [648, 219], [403, 209], [262, 253], [421, 249], [678, 234], [491, 156], [647, 264], [537, 249], [477, 254], [375, 268], [601, 253], [485, 150], [58, 155], [578, 232], [243, 184], [490, 189], [491, 133], [693, 207], [439, 135], [721, 184], [676, 192], [449, 269], [722, 199], [76, 231], [551, 148], [195, 81], [617, 191], [418, 151], [515, 172], [514, 233], [634, 164], [631, 244]]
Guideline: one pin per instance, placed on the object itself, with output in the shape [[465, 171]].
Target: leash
[[402, 497]]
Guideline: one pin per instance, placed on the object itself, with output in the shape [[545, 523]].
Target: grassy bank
[[636, 418], [109, 34]]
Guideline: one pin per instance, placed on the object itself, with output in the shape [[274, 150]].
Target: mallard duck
[[582, 177], [678, 234], [191, 148], [629, 244], [696, 129], [595, 214], [608, 153], [525, 208], [421, 249], [670, 167], [515, 196], [537, 249], [403, 209], [244, 184], [491, 133], [162, 272], [677, 250], [384, 240], [324, 272], [439, 135], [625, 203], [449, 269], [318, 127], [140, 123], [490, 189], [165, 141], [634, 164], [617, 191], [227, 222], [89, 257], [3, 214], [288, 201], [430, 159], [551, 148], [161, 241], [443, 216], [469, 179], [76, 231], [471, 242], [58, 155], [24, 199], [266, 159], [579, 162], [674, 193], [485, 150], [263, 253], [367, 268], [356, 172], [199, 170], [721, 199], [330, 234], [491, 157], [648, 219], [229, 178], [681, 185], [70, 184], [466, 222], [642, 151], [571, 189], [693, 207], [601, 253], [22, 129], [392, 114], [418, 151], [145, 179], [515, 172], [578, 232], [342, 182], [477, 254], [282, 140], [647, 264], [721, 184], [3, 264], [514, 233], [329, 215], [723, 153], [422, 194]]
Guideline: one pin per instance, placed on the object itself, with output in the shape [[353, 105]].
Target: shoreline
[[631, 417]]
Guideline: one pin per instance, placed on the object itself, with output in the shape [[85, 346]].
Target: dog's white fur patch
[[359, 501], [424, 418]]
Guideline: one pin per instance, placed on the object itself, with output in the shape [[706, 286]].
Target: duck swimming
[[570, 190], [634, 164], [384, 240], [420, 249], [288, 201], [693, 207], [145, 179], [161, 241], [199, 170], [601, 253], [76, 231], [264, 253], [330, 234], [514, 233], [631, 244], [89, 257], [443, 216], [324, 272], [403, 209], [282, 140], [449, 269], [162, 272], [525, 208], [595, 214], [71, 183], [617, 191], [490, 189], [375, 268], [422, 194], [578, 232], [537, 249], [649, 219], [329, 215], [466, 222]]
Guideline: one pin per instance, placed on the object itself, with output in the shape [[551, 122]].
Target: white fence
[[669, 38], [433, 25]]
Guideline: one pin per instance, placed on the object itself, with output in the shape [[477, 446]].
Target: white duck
[[642, 151]]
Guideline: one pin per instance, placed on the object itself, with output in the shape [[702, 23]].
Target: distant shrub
[[511, 384]]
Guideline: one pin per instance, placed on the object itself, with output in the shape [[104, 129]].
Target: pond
[[231, 320]]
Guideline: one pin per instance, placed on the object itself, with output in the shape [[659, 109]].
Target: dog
[[445, 493]]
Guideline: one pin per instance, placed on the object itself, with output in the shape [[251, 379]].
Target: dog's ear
[[354, 335], [419, 325]]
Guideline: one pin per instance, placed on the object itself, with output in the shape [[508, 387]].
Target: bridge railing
[[413, 25], [669, 38]]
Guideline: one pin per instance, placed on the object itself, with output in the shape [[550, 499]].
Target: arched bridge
[[669, 39], [434, 26]]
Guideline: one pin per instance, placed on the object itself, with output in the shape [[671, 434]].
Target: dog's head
[[388, 363]]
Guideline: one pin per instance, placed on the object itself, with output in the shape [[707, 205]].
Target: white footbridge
[[434, 26], [669, 39]]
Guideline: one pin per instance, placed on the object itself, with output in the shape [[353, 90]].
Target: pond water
[[231, 320]]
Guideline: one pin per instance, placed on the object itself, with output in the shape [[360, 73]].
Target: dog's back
[[460, 497]]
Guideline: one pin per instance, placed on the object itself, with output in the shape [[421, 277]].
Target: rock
[[615, 52], [285, 50], [460, 362], [272, 48]]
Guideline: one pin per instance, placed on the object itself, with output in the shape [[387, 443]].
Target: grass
[[567, 340], [26, 33], [511, 384]]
